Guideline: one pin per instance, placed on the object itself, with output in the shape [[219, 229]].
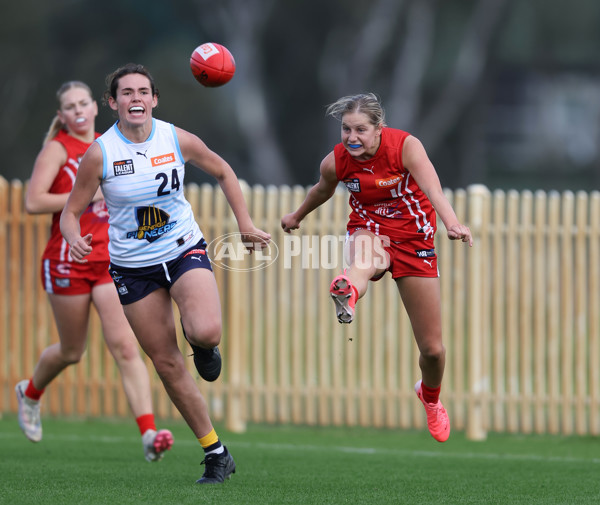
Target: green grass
[[101, 462]]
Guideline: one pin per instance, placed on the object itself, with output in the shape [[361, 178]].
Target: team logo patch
[[427, 229], [153, 223], [425, 253], [117, 278], [62, 283], [388, 210], [123, 167], [162, 159], [353, 185], [63, 268]]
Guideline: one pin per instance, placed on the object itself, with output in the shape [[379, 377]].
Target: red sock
[[145, 423], [354, 298], [430, 395], [32, 392]]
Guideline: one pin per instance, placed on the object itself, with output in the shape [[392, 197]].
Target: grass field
[[101, 462]]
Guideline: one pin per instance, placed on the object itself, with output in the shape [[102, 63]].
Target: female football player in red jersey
[[72, 287], [395, 194]]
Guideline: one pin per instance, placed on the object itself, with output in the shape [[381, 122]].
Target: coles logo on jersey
[[123, 167], [390, 181], [353, 185], [162, 159], [153, 223]]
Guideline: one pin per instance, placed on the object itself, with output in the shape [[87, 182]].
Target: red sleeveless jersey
[[384, 197], [95, 218]]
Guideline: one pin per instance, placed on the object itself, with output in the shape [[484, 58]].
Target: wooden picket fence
[[521, 319]]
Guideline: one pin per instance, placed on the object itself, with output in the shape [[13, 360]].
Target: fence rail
[[521, 319]]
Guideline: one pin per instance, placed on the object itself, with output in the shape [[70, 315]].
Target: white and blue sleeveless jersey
[[150, 221]]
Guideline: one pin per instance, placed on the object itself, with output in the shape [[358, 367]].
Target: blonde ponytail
[[55, 127]]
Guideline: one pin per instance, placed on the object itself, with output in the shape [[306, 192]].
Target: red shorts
[[70, 278], [410, 258]]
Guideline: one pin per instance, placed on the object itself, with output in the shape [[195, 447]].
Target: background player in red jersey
[[394, 196], [73, 287]]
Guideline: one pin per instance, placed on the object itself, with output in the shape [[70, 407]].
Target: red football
[[212, 64]]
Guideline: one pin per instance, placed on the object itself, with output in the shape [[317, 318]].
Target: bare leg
[[71, 314], [152, 321], [123, 346], [422, 300], [200, 309], [366, 258]]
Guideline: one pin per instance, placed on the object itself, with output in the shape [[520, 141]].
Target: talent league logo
[[153, 223], [123, 167], [353, 185]]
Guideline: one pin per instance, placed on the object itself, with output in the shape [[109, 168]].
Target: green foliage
[[501, 92], [101, 462]]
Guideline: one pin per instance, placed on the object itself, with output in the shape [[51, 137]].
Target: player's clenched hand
[[460, 232], [81, 248], [255, 239], [289, 222]]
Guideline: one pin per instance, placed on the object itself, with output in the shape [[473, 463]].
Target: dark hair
[[112, 80], [367, 103]]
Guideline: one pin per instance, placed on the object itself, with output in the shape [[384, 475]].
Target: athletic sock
[[145, 423], [211, 443], [430, 395], [32, 392], [353, 299]]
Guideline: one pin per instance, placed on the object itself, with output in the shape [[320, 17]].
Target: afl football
[[212, 64]]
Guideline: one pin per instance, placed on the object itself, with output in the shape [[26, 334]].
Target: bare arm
[[417, 162], [196, 152], [87, 183], [38, 199], [316, 196]]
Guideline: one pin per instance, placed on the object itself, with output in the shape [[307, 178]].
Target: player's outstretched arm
[[196, 152], [316, 196], [417, 162]]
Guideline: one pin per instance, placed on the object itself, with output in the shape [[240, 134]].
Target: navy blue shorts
[[133, 284]]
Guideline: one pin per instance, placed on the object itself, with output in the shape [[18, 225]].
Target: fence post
[[475, 429], [4, 309], [237, 315]]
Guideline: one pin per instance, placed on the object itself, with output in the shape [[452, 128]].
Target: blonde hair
[[56, 125], [367, 103]]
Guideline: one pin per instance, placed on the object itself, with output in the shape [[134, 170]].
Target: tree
[[387, 45]]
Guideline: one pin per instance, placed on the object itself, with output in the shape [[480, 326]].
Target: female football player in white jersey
[[157, 251], [73, 287]]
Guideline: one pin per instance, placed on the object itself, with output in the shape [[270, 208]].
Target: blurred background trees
[[501, 92]]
